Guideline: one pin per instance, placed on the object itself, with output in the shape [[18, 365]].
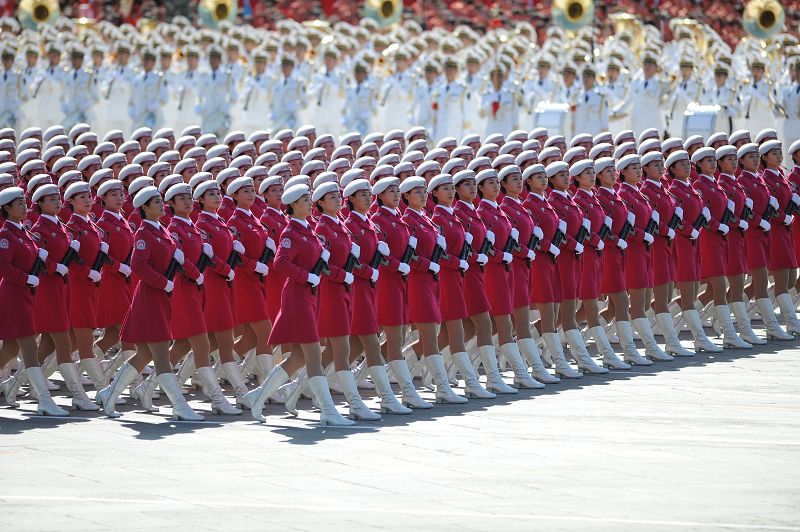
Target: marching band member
[[149, 93], [147, 323], [360, 101], [217, 98], [499, 104], [450, 103], [288, 97]]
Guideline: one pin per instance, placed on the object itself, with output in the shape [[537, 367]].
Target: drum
[[700, 120], [552, 116]]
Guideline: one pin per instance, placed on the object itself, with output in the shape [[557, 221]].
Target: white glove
[[43, 253], [313, 280], [238, 247], [695, 234], [670, 233], [33, 281], [706, 213], [325, 255], [490, 236], [375, 274], [412, 241], [743, 225], [441, 242], [94, 276], [679, 212], [433, 267], [538, 233], [531, 254], [62, 270], [748, 202], [648, 238], [355, 250], [463, 265], [507, 258], [231, 276], [774, 202], [731, 206], [208, 250], [261, 268], [796, 198], [104, 247], [403, 268], [383, 248], [76, 245], [271, 244], [125, 270], [348, 278], [600, 245], [764, 225], [200, 280], [468, 238], [631, 218], [655, 216], [788, 219], [587, 223], [482, 259], [578, 248], [178, 256], [170, 287], [621, 244], [607, 221], [562, 226], [554, 250]]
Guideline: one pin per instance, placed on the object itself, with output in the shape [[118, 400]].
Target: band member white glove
[[325, 255], [200, 280], [383, 249], [355, 250], [538, 233], [348, 278], [208, 250], [748, 202], [261, 268], [706, 213], [178, 256], [679, 213], [482, 259], [515, 234], [490, 236], [231, 276], [76, 245], [238, 247], [587, 223], [468, 238], [125, 270], [621, 244], [104, 247], [796, 198], [648, 238], [695, 234], [764, 225], [670, 233], [33, 281], [743, 225], [313, 280], [531, 254], [43, 253], [788, 219], [631, 218], [554, 251], [774, 202], [441, 242], [655, 216], [607, 221], [600, 245], [170, 287], [62, 270], [578, 248], [271, 244], [463, 265], [434, 267], [562, 226], [375, 274], [412, 241], [403, 268], [507, 258], [94, 276], [731, 206]]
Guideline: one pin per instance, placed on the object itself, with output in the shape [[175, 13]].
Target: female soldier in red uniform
[[298, 257], [638, 258], [687, 255], [451, 282], [18, 254], [147, 323]]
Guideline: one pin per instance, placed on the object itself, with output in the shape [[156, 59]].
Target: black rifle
[[234, 260], [127, 262], [466, 251], [533, 245], [408, 255], [747, 213], [266, 257], [791, 208], [99, 261], [320, 268], [769, 212], [511, 245], [485, 249], [38, 266], [202, 263], [377, 260], [69, 257], [172, 269], [701, 222], [436, 256], [675, 222], [350, 264], [651, 228], [558, 238], [604, 232]]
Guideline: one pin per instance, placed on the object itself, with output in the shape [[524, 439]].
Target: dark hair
[[289, 210], [141, 209], [3, 212], [316, 204], [621, 176], [350, 204], [670, 173], [403, 197], [480, 192], [379, 200]]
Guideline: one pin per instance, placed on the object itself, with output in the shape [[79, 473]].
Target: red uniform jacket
[[51, 305], [187, 297], [17, 256]]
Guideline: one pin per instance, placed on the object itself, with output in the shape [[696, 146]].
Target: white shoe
[[786, 305], [651, 348], [334, 386], [358, 410], [107, 397], [187, 369], [46, 406], [494, 381], [181, 411], [472, 386], [746, 332], [701, 341], [530, 352], [328, 415], [774, 330], [144, 393], [264, 364], [630, 353], [581, 356], [293, 391], [522, 379], [92, 368], [111, 367], [672, 344], [409, 395], [80, 401], [610, 358], [219, 403], [563, 369], [389, 403], [10, 387], [729, 336], [234, 375], [256, 397], [444, 394]]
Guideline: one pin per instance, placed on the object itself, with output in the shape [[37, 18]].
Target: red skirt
[[113, 299], [663, 262], [569, 271], [638, 266], [781, 247], [545, 281], [591, 273], [613, 270], [520, 282], [82, 303], [423, 298], [687, 259], [737, 254], [451, 295], [219, 305], [713, 254], [51, 304], [297, 319], [149, 317], [392, 299], [475, 296], [757, 246], [274, 288], [364, 318], [498, 289], [186, 299], [18, 321], [251, 298], [334, 309]]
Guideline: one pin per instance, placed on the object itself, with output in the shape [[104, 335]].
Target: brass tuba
[[763, 19], [572, 15], [631, 25], [32, 13], [212, 12], [384, 12]]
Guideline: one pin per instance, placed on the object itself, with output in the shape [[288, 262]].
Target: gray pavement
[[710, 443]]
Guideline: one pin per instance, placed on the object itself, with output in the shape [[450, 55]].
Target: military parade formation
[[321, 210]]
